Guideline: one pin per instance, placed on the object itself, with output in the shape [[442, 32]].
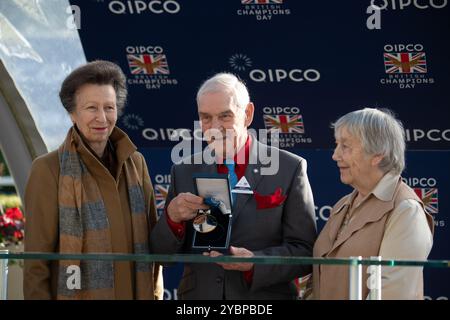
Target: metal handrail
[[198, 258], [354, 263], [3, 275]]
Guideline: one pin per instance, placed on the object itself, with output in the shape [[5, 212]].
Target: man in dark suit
[[276, 219]]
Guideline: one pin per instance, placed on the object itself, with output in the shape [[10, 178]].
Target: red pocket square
[[269, 201]]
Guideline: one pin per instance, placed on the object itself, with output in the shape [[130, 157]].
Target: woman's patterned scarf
[[84, 228]]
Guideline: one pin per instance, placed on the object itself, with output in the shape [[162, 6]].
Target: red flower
[[18, 234], [14, 213], [11, 226]]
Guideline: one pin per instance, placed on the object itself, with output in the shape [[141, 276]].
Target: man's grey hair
[[229, 84], [380, 133]]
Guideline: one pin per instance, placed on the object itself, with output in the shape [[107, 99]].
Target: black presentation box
[[216, 186]]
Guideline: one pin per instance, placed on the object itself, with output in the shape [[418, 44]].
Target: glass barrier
[[198, 258], [354, 263]]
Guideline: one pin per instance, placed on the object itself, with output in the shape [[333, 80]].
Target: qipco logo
[[279, 75], [431, 135], [139, 6], [417, 47], [281, 110], [145, 49], [404, 4]]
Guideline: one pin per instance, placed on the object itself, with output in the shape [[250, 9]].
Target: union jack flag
[[429, 197], [304, 286], [284, 123], [261, 1], [405, 62], [160, 195], [148, 63]]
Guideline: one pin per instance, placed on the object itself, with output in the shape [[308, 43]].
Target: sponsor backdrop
[[306, 64]]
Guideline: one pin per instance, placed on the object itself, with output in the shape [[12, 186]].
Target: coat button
[[219, 279]]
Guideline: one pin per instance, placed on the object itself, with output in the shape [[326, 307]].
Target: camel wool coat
[[363, 237], [41, 209]]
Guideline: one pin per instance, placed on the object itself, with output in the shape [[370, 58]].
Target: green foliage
[[10, 201]]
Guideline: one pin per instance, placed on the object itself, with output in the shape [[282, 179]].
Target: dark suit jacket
[[286, 230]]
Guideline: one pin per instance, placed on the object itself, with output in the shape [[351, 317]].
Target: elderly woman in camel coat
[[381, 217], [91, 195]]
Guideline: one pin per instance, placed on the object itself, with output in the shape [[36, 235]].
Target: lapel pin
[[255, 170], [242, 187]]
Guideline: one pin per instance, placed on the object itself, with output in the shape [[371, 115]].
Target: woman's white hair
[[227, 83], [380, 133]]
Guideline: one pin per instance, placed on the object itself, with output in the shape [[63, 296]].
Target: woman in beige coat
[[381, 217], [92, 195]]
